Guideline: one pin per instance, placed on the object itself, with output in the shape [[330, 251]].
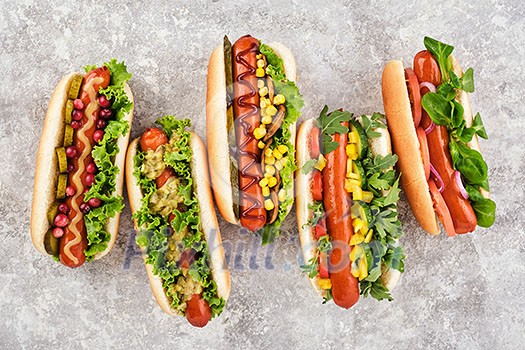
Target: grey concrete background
[[460, 293]]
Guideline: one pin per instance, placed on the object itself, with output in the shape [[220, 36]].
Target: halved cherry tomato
[[441, 209], [413, 95], [320, 228], [315, 139], [152, 138], [97, 73], [317, 186], [187, 258], [164, 176], [423, 148], [323, 265], [426, 68], [198, 311]]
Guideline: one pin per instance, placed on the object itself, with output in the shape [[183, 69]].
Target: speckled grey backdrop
[[461, 293]]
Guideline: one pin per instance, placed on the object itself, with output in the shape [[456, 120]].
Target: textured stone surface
[[464, 293]]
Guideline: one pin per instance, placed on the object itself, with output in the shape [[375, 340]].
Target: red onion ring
[[462, 189], [439, 180], [430, 128], [428, 85]]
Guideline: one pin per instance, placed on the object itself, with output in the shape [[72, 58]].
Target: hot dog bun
[[46, 172], [406, 146], [210, 225], [217, 130]]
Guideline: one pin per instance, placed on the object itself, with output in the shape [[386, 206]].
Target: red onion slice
[[430, 127], [428, 85], [439, 180], [462, 189]]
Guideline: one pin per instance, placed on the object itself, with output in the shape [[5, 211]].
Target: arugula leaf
[[395, 258], [375, 289], [308, 166], [373, 122], [440, 51], [330, 124]]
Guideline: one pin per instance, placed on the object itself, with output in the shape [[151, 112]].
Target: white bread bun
[[378, 146], [46, 173], [217, 130], [210, 225], [406, 145]]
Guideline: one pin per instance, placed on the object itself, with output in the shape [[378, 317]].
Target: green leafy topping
[[323, 246], [330, 124], [155, 230], [308, 166], [443, 109], [104, 154]]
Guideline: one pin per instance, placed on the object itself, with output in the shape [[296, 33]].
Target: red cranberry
[[78, 104], [90, 178], [77, 115], [61, 220], [63, 208], [91, 168], [70, 167], [70, 191], [94, 202], [101, 124], [86, 190], [106, 113], [58, 232], [84, 208], [98, 135], [71, 152], [75, 124], [104, 102]]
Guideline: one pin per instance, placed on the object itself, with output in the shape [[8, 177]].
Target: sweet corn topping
[[357, 223], [282, 148], [259, 133], [259, 73], [263, 182], [259, 56], [263, 91], [269, 160], [260, 83], [357, 194], [363, 268], [262, 126], [351, 151], [271, 110], [282, 195], [272, 181], [270, 169], [353, 137], [279, 164], [260, 63], [324, 283], [356, 252], [268, 204], [279, 99], [261, 145], [367, 196], [266, 119], [321, 163], [267, 175], [356, 239], [277, 154], [266, 190], [268, 152], [368, 237], [263, 105]]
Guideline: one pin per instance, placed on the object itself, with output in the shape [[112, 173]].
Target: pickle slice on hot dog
[[251, 109], [347, 192], [435, 135], [172, 206], [78, 183]]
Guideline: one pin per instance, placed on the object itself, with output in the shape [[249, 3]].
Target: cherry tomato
[[441, 209], [323, 265], [198, 311], [413, 95], [187, 258], [164, 177], [315, 147], [152, 138], [317, 186], [101, 72], [423, 148], [426, 68], [320, 228]]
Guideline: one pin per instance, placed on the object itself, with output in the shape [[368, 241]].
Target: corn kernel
[[269, 160], [355, 270], [263, 182], [259, 133], [279, 99], [356, 239], [363, 268], [367, 196], [259, 73], [282, 195], [260, 83], [353, 137], [277, 154], [266, 190], [368, 237], [270, 170], [356, 252], [262, 126], [279, 164], [259, 56], [357, 194], [261, 145], [263, 104], [260, 63], [357, 223], [263, 91], [321, 163], [272, 181], [268, 204], [266, 119], [267, 175], [271, 110], [282, 148], [324, 283], [268, 152]]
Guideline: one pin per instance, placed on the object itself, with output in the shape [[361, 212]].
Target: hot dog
[[346, 203], [252, 105], [75, 210], [433, 119], [171, 202]]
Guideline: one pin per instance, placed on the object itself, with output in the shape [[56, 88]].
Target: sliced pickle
[[76, 82], [52, 212], [62, 159], [69, 111], [51, 243], [68, 136], [61, 186]]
